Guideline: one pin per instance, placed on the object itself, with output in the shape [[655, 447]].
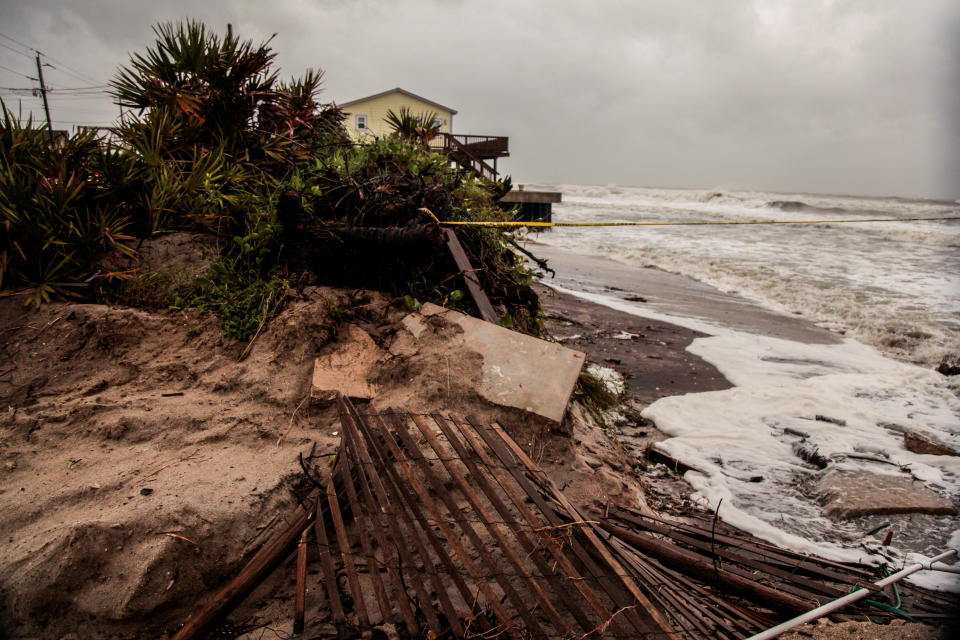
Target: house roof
[[404, 92]]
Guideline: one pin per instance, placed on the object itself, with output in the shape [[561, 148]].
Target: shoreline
[[772, 378]]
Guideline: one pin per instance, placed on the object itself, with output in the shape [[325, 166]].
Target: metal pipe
[[859, 594]]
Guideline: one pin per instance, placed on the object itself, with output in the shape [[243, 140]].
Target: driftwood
[[678, 466], [695, 565], [301, 594], [259, 567]]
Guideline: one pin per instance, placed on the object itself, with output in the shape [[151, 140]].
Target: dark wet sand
[[654, 360]]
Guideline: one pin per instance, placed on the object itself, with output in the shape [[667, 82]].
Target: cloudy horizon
[[844, 97]]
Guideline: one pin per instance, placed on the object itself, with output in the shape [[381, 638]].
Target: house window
[[361, 122]]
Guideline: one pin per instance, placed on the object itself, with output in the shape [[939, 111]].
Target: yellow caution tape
[[518, 223]]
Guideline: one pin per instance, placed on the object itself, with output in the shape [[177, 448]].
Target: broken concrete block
[[920, 444], [854, 493], [347, 368], [518, 370]]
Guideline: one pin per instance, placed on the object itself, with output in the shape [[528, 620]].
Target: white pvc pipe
[[859, 594], [939, 566]]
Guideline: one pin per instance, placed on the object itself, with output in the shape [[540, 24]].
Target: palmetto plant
[[421, 127], [210, 86], [214, 128], [59, 224]]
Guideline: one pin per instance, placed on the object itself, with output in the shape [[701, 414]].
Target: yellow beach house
[[366, 116]]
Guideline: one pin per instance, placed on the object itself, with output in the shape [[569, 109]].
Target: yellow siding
[[376, 110]]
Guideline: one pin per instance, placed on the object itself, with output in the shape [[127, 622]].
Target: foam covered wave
[[895, 286], [735, 436]]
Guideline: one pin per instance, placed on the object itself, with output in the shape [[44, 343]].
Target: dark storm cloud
[[803, 95]]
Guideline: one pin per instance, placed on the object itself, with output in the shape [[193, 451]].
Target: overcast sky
[[853, 97]]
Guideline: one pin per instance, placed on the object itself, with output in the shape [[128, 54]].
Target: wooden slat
[[527, 543], [499, 443], [506, 545], [470, 277], [259, 567], [352, 422], [653, 617], [452, 539], [300, 597], [413, 507], [345, 552], [363, 532], [694, 564], [808, 584], [329, 576], [382, 522]]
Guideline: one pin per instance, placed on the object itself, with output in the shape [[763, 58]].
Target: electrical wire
[[21, 53], [16, 72], [73, 75], [80, 74], [65, 69], [2, 35]]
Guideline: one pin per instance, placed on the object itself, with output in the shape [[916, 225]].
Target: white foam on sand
[[864, 400]]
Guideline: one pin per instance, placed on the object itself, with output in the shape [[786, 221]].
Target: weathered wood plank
[[473, 283]]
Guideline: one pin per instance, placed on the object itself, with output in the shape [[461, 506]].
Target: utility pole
[[43, 92]]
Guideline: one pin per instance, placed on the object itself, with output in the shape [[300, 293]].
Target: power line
[[17, 42], [75, 76], [79, 74], [15, 51], [16, 72], [99, 86], [82, 75]]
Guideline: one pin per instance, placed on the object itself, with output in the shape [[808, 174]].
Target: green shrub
[[59, 224]]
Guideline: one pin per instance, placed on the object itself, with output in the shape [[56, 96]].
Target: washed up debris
[[919, 444], [828, 419], [809, 452], [655, 454], [348, 369], [517, 370], [682, 557], [949, 365], [853, 493], [437, 526], [443, 526]]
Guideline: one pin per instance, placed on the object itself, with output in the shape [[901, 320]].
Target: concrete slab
[[348, 368], [518, 370], [921, 444], [854, 493]]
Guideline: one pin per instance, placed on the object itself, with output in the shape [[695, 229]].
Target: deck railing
[[472, 151]]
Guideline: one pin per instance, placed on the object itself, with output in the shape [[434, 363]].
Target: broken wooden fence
[[437, 525]]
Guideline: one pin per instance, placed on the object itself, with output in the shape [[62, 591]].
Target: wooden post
[[473, 283], [301, 595], [256, 570]]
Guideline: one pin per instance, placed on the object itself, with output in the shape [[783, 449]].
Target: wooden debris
[[470, 277], [301, 593], [437, 526], [259, 567]]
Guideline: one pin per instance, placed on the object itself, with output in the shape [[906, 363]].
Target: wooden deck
[[472, 152]]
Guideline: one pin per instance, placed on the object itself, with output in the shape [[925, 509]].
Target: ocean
[[888, 291]]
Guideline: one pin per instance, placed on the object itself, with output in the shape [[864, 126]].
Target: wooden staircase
[[472, 152]]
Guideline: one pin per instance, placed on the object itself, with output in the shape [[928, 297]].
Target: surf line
[[519, 223]]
